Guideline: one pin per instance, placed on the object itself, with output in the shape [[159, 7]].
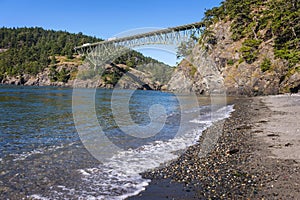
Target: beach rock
[[32, 81], [180, 82], [293, 83], [237, 167], [197, 73], [233, 151]]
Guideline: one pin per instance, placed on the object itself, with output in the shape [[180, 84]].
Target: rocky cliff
[[71, 75], [221, 66], [116, 76]]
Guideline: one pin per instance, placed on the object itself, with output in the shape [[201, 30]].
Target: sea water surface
[[42, 155]]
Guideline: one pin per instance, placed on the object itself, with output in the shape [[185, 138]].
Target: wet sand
[[256, 157], [283, 126], [281, 136]]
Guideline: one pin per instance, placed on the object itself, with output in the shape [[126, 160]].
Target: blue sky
[[104, 18]]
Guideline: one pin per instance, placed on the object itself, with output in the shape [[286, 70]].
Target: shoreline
[[256, 157], [241, 166]]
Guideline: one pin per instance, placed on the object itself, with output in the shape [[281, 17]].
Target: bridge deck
[[152, 33]]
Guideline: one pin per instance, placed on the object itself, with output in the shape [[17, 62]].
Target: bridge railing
[[174, 35]]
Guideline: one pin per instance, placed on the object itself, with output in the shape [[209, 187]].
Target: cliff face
[[68, 75], [220, 66], [197, 73], [128, 78], [41, 79], [253, 44]]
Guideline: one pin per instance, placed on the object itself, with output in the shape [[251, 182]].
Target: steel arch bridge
[[101, 52]]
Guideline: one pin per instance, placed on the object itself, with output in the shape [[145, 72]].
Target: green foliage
[[1, 77], [53, 60], [29, 49], [208, 37], [53, 74], [185, 48], [293, 56], [249, 50], [112, 77], [230, 62], [133, 59], [86, 74], [265, 65], [62, 76], [160, 72], [193, 71], [278, 19], [286, 27], [212, 15], [241, 60], [130, 62]]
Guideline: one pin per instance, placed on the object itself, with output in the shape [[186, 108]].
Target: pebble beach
[[255, 157]]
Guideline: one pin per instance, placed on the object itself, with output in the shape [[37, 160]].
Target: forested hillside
[[261, 20], [254, 45], [29, 50], [35, 53]]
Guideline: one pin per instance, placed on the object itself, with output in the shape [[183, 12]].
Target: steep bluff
[[244, 54]]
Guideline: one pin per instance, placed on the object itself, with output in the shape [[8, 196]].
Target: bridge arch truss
[[104, 51]]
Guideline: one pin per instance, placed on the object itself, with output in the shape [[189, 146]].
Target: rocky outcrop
[[292, 83], [135, 79], [41, 79], [197, 73], [182, 79], [220, 67], [130, 78]]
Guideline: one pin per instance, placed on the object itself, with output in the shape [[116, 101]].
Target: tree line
[[31, 50], [277, 19], [28, 50]]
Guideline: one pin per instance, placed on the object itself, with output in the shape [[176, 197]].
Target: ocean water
[[50, 144]]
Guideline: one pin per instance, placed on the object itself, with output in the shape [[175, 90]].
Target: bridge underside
[[102, 52]]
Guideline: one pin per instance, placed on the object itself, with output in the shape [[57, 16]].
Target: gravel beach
[[256, 156]]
